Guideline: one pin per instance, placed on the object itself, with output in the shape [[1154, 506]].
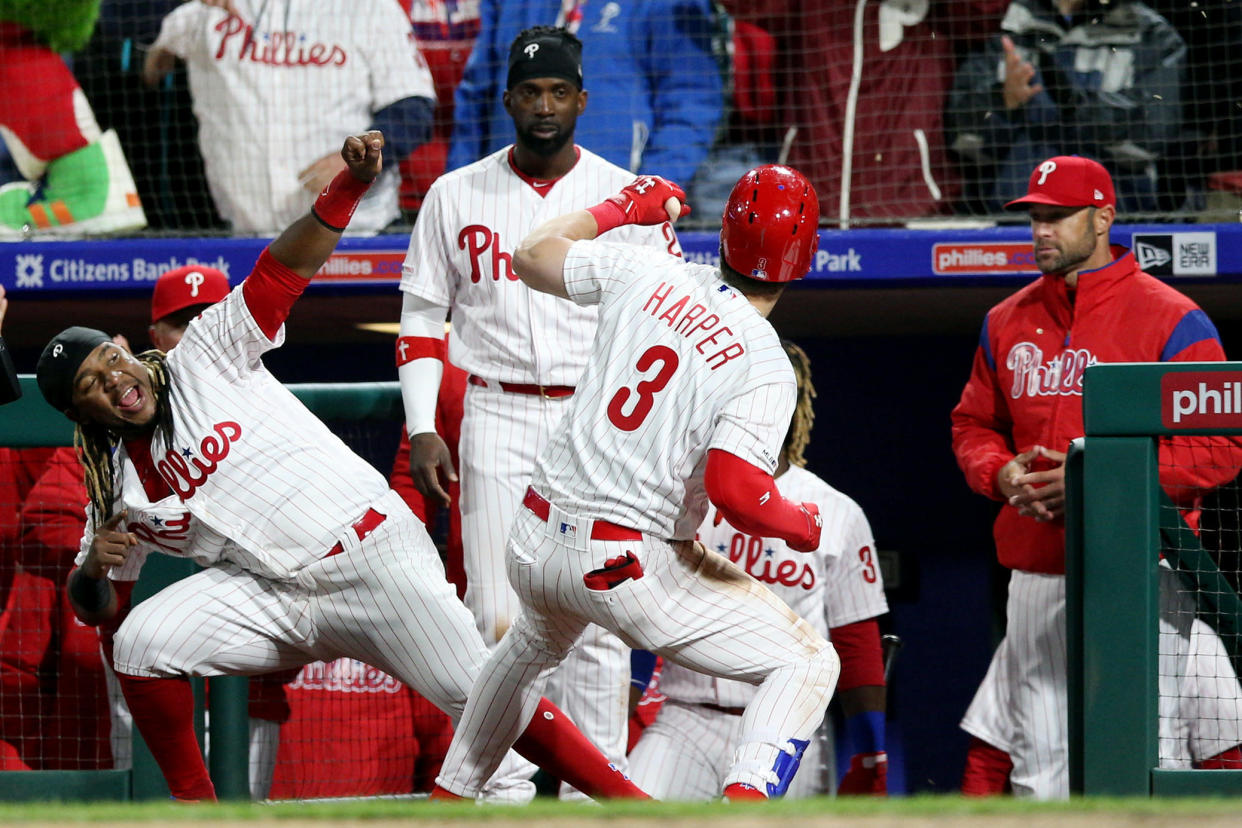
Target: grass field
[[911, 812]]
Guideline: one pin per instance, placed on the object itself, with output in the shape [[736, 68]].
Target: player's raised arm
[[307, 243], [283, 269], [540, 259]]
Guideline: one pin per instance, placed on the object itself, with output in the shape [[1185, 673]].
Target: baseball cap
[[60, 361], [188, 285], [545, 52], [1068, 181]]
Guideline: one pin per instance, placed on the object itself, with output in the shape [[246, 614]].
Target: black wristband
[[90, 594]]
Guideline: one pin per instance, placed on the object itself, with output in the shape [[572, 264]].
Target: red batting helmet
[[770, 228]]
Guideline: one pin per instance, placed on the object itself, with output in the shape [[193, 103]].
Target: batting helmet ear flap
[[770, 227]]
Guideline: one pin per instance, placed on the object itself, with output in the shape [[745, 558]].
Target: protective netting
[[1200, 650], [896, 109], [338, 729]]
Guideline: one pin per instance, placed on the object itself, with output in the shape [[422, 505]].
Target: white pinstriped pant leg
[[990, 715], [220, 621], [684, 754], [502, 436], [1035, 637]]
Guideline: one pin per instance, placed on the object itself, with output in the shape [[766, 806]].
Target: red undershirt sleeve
[[747, 497], [858, 646], [270, 291]]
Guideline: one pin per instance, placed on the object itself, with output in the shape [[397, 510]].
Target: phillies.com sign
[[1201, 399]]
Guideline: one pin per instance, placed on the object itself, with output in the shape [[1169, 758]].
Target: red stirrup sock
[[163, 710], [987, 769], [737, 792], [441, 795], [553, 743]]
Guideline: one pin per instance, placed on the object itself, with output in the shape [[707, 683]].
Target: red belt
[[601, 530], [362, 527], [552, 392]]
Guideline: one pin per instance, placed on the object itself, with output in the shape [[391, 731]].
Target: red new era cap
[[185, 286], [1068, 181]]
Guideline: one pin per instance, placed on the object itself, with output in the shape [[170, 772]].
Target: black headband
[[544, 55], [60, 361]]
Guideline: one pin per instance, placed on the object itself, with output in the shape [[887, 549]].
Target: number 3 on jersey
[[646, 390]]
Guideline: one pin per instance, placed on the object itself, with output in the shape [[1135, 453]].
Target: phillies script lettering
[[185, 475], [477, 240], [1063, 374], [170, 536], [750, 554], [274, 48]]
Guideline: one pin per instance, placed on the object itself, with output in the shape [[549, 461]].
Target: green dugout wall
[[1118, 523]]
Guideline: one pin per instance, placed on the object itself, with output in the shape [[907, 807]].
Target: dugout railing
[[222, 701], [1118, 525]]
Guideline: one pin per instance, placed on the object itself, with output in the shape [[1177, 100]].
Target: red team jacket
[[1025, 388]]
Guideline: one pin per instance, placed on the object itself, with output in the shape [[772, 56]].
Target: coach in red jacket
[[1017, 415]]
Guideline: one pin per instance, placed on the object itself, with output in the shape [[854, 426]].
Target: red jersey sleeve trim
[[270, 291]]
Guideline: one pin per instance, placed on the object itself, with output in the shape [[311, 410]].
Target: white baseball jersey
[[277, 87], [233, 422], [461, 256], [686, 365], [837, 584]]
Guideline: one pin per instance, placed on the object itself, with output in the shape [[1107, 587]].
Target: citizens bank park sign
[[867, 257]]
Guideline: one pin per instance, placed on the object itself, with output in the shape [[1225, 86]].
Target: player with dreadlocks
[[686, 752], [307, 554]]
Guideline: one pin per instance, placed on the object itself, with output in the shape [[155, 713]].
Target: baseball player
[[288, 77], [524, 351], [309, 556], [1017, 414], [687, 395], [685, 753]]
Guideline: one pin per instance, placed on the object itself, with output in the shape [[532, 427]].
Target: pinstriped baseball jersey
[[232, 420], [835, 585], [461, 255], [289, 77], [709, 373]]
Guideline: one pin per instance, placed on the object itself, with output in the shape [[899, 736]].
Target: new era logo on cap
[[1068, 181]]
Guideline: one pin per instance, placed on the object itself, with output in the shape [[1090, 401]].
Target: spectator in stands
[[1070, 77], [842, 127], [445, 32], [76, 177], [287, 78], [657, 95]]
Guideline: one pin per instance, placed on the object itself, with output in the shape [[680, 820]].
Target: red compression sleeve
[[858, 645], [270, 291], [747, 497]]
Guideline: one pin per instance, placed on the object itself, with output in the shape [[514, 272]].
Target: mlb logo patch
[[569, 530]]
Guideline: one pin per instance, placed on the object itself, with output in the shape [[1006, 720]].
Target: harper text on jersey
[[686, 319]]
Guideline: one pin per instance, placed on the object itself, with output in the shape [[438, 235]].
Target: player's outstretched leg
[[780, 722], [506, 709]]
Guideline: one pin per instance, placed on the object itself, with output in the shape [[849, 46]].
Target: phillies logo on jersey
[[185, 473], [275, 48], [1032, 376], [758, 559], [169, 535], [477, 240]]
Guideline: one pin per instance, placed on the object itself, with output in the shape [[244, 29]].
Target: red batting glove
[[814, 525], [639, 202], [867, 776]]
